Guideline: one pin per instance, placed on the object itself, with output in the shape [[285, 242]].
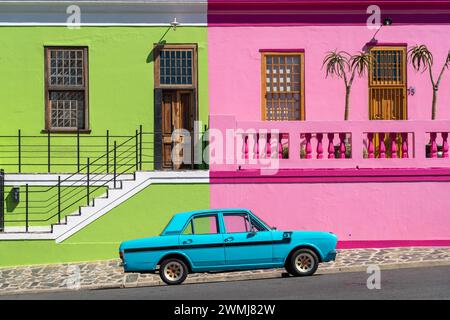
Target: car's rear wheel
[[302, 263], [173, 271]]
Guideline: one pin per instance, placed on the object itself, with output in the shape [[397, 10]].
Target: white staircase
[[76, 221]]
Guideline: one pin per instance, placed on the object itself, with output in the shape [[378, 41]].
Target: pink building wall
[[362, 214], [234, 66], [378, 213]]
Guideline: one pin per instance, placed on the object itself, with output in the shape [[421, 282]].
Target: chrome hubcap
[[173, 271], [304, 262]]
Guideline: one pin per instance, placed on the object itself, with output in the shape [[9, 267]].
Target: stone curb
[[235, 276]]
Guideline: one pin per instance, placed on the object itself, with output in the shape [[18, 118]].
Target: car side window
[[202, 225], [237, 222]]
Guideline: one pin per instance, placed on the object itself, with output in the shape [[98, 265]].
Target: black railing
[[34, 205], [47, 206], [64, 153]]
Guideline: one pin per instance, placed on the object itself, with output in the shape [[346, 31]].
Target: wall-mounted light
[[386, 22], [174, 24], [15, 194]]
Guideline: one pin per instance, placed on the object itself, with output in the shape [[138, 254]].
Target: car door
[[202, 242], [245, 244]]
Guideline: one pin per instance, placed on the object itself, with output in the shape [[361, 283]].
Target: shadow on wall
[[11, 204], [161, 42]]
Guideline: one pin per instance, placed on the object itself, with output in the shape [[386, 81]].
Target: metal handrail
[[124, 156], [61, 199]]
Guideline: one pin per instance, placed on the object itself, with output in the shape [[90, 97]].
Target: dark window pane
[[177, 63], [67, 109], [67, 62]]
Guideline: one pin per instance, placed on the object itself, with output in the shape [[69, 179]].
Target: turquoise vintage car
[[224, 240]]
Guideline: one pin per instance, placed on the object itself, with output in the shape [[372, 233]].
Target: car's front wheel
[[173, 271], [302, 263]]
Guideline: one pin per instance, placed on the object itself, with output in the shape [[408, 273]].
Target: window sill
[[71, 131]]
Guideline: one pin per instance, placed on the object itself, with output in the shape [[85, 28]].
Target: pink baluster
[[382, 145], [246, 147], [434, 148], [342, 148], [370, 147], [269, 147], [330, 145], [444, 145], [319, 146], [257, 146], [280, 146], [393, 138], [404, 145], [308, 147]]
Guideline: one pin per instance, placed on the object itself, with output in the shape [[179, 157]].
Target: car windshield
[[260, 221]]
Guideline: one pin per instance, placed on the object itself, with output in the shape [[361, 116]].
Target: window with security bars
[[283, 86], [66, 88], [176, 66], [387, 66]]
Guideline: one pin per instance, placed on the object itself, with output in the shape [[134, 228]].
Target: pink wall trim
[[386, 44], [299, 12], [281, 50], [392, 244], [331, 175]]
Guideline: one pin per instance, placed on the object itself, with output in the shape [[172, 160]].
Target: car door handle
[[188, 241], [229, 239]]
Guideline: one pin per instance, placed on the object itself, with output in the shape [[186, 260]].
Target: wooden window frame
[[301, 54], [49, 88], [156, 52], [404, 73]]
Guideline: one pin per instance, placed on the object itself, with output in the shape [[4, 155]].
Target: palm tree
[[345, 66], [421, 58]]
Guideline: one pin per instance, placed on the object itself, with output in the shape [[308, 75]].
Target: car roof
[[190, 213], [179, 220]]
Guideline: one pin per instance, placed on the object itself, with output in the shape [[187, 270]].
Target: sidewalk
[[109, 274]]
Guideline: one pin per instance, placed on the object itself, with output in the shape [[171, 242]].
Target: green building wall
[[121, 98], [120, 79], [143, 215]]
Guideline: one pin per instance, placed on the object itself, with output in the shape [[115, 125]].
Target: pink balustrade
[[436, 148], [338, 145], [384, 145], [333, 144]]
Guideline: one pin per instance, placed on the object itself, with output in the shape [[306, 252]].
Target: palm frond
[[336, 63], [420, 57], [360, 62], [447, 62]]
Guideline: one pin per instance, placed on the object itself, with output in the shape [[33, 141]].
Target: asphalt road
[[418, 283]]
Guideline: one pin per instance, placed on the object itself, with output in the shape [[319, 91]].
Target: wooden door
[[387, 83], [387, 89], [177, 113]]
